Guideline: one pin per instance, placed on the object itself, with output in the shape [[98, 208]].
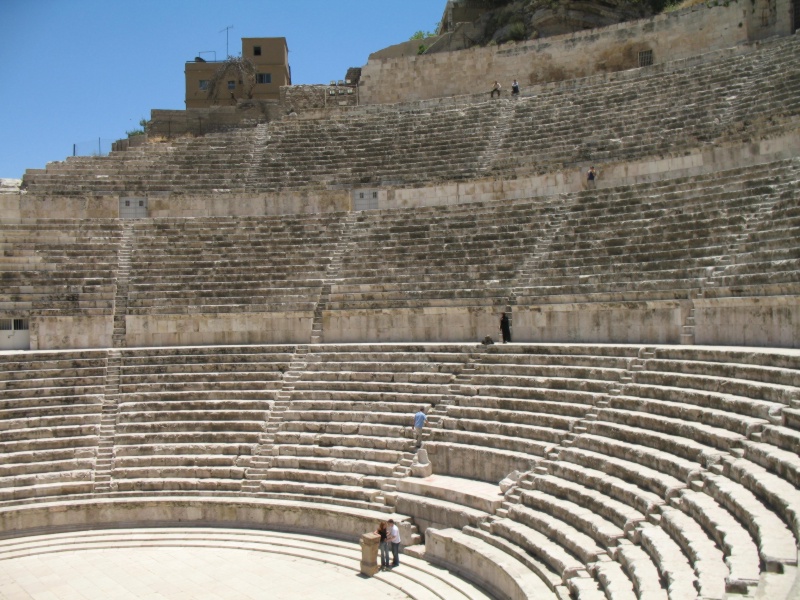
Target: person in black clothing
[[515, 88], [505, 328], [591, 177]]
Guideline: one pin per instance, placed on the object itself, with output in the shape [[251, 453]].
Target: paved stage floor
[[214, 564]]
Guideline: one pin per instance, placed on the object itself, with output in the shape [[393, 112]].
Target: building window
[[645, 58], [204, 84], [232, 85], [256, 50], [264, 78]]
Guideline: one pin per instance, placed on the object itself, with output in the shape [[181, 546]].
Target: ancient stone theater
[[216, 338]]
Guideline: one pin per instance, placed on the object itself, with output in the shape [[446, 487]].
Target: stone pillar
[[369, 553], [421, 466]]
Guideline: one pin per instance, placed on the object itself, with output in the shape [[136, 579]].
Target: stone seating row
[[188, 419], [642, 248], [702, 119], [709, 551], [538, 134], [662, 494], [349, 416], [506, 248], [362, 391], [59, 268], [175, 266], [50, 406]]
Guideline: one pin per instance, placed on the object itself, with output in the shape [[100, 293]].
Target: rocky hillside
[[516, 20]]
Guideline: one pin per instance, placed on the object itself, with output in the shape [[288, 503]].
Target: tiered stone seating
[[667, 109], [59, 267], [652, 480], [654, 241], [231, 264], [388, 146], [756, 389], [194, 165], [769, 256], [533, 397], [658, 111], [348, 428], [190, 418], [642, 472], [452, 256], [217, 162], [50, 405], [516, 407]]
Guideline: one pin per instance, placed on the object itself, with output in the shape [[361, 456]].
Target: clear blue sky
[[73, 71]]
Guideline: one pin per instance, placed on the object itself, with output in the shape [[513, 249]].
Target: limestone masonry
[[218, 336]]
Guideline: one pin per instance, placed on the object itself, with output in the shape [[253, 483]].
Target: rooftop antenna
[[226, 30]]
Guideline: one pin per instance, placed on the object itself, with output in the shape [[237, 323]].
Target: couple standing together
[[390, 534]]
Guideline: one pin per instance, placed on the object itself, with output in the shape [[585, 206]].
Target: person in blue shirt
[[419, 422]]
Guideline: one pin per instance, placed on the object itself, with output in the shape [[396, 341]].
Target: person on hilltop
[[495, 89]]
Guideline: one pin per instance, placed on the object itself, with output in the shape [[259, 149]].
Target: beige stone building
[[207, 86]]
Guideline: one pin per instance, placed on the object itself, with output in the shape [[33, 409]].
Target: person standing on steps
[[495, 89], [515, 88], [419, 422], [384, 544], [394, 540], [505, 328], [591, 178]]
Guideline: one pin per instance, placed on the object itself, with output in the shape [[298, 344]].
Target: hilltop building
[[269, 56]]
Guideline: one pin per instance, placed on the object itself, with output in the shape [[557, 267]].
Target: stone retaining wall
[[670, 37], [313, 519], [199, 121], [718, 157]]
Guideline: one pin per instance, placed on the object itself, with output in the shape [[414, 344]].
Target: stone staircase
[[104, 463], [123, 276], [497, 135], [343, 248], [263, 455]]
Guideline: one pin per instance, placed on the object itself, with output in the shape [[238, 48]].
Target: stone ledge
[[314, 519], [488, 567]]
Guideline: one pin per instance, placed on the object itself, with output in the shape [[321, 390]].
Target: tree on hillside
[[241, 68]]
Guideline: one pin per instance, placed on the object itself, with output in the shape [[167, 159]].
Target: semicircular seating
[[617, 471]]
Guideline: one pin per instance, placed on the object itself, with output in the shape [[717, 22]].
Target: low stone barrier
[[312, 519]]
